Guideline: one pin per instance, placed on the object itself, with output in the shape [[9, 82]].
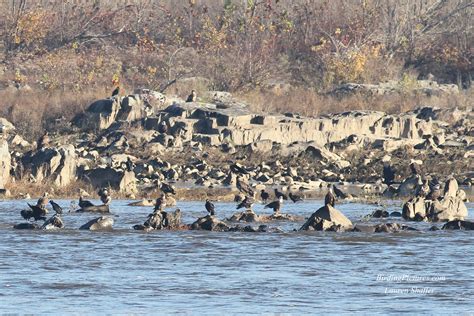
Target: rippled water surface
[[197, 272]]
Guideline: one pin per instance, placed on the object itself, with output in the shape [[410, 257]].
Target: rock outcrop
[[327, 218], [210, 223], [159, 220], [5, 163], [99, 223], [118, 179]]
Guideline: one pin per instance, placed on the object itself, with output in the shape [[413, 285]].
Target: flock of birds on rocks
[[39, 211]]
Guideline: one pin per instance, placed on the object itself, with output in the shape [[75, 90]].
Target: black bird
[[295, 198], [246, 203], [129, 164], [388, 174], [276, 205], [36, 212], [235, 168], [116, 91], [210, 208], [245, 188], [329, 199], [192, 97], [167, 188], [104, 196], [279, 194], [264, 195], [338, 192], [159, 204], [84, 203], [58, 209]]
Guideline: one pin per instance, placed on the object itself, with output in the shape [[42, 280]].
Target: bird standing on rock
[[43, 201], [167, 188], [295, 198], [210, 207], [264, 195], [279, 194], [192, 97], [276, 205], [35, 212], [159, 204], [329, 199], [84, 203], [246, 203], [105, 196], [58, 209]]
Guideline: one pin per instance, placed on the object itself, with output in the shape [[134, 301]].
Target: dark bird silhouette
[[423, 190], [192, 97], [236, 168], [115, 92], [246, 203], [279, 194], [210, 207], [329, 199], [339, 193], [84, 203], [245, 188], [388, 174], [276, 205], [159, 204], [295, 197], [35, 212], [58, 209], [167, 188], [129, 164], [264, 195], [55, 221], [163, 128], [435, 192]]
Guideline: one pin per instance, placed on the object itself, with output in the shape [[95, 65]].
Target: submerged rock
[[211, 223], [327, 218], [99, 223], [26, 226], [458, 225], [95, 209], [248, 216]]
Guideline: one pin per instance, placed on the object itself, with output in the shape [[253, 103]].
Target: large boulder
[[99, 223], [458, 225], [161, 220], [414, 209], [5, 163], [209, 222], [55, 164], [327, 218], [117, 179]]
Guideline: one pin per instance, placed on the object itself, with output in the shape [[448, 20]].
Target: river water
[[198, 272]]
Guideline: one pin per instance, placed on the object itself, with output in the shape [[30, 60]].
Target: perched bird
[[129, 164], [329, 199], [54, 221], [35, 212], [167, 188], [244, 187], [435, 192], [246, 203], [116, 91], [58, 209], [192, 97], [237, 168], [338, 192], [264, 195], [423, 190], [43, 201], [105, 196], [84, 203], [276, 205], [159, 204], [279, 194], [388, 174], [210, 207], [295, 198]]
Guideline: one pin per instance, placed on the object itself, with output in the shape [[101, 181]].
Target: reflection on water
[[189, 272]]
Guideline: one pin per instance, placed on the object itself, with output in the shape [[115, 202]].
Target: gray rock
[[99, 223]]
